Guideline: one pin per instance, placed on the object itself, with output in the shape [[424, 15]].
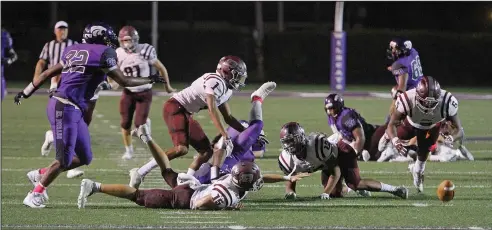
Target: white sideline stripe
[[264, 186], [200, 222], [85, 226], [196, 217], [278, 171]]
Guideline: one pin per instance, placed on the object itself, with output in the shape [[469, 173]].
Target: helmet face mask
[[234, 71], [428, 92], [292, 138], [128, 38], [334, 104]]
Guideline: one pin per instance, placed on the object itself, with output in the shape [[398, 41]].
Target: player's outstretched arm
[[275, 178], [125, 81], [206, 203], [229, 119], [332, 180], [455, 121], [37, 82], [214, 115], [163, 72]]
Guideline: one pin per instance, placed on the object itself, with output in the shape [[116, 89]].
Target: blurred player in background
[[419, 113], [134, 59], [186, 191], [9, 56], [246, 143], [406, 68], [83, 68], [310, 153]]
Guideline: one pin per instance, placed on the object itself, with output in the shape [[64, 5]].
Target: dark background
[[454, 39]]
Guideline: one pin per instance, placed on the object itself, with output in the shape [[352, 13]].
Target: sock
[[54, 83], [387, 188], [39, 188], [191, 172], [419, 167], [144, 170], [256, 110], [214, 172], [97, 187], [148, 122], [145, 138], [42, 170], [349, 189], [129, 149]]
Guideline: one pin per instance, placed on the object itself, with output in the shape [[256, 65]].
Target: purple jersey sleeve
[[398, 68], [109, 60], [350, 121]]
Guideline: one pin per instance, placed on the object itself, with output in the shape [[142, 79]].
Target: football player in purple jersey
[[83, 67]]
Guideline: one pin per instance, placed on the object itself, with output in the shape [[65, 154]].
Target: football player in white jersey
[[314, 152], [187, 192], [135, 59], [419, 113], [209, 92]]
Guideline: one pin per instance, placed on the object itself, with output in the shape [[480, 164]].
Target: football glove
[[448, 140], [18, 97], [325, 196], [398, 145], [156, 79], [228, 146], [262, 138]]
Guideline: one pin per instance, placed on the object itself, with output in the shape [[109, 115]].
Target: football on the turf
[[445, 191]]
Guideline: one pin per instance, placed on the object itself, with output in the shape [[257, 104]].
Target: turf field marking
[[85, 226], [194, 217]]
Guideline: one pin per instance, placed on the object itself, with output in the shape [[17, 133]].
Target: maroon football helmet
[[428, 93], [293, 138], [128, 38], [246, 176], [233, 70]]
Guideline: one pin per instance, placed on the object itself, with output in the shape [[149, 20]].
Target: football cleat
[[48, 142], [86, 189], [363, 193], [135, 178], [401, 192], [264, 90], [34, 176], [127, 156], [142, 132], [35, 200], [73, 173], [418, 181]]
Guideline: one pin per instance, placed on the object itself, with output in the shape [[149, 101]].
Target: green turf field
[[23, 133]]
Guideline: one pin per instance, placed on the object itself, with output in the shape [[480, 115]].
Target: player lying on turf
[[186, 191], [419, 113], [241, 140], [83, 67], [311, 153]]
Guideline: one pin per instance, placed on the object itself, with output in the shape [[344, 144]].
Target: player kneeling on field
[[187, 192], [314, 152]]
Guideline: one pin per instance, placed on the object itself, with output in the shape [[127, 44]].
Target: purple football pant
[[241, 152], [70, 132]]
